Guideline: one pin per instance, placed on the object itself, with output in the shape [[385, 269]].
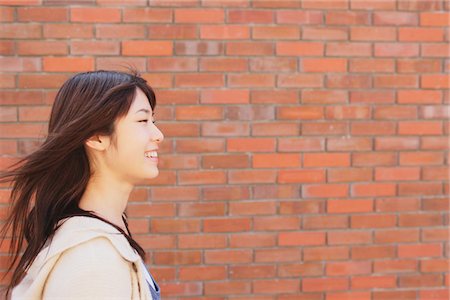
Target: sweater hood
[[80, 229]]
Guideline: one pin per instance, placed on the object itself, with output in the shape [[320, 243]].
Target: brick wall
[[306, 145]]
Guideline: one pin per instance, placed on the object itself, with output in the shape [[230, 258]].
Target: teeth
[[151, 154]]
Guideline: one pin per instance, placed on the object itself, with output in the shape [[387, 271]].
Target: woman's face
[[133, 155]]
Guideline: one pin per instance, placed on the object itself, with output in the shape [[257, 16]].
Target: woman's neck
[[106, 198]]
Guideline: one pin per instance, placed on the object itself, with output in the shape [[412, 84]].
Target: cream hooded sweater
[[86, 259]]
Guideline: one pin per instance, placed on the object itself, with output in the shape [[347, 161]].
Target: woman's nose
[[158, 136]]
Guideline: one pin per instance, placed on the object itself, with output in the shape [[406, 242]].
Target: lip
[[153, 159]]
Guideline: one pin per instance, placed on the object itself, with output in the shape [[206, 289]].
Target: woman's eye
[[143, 121]]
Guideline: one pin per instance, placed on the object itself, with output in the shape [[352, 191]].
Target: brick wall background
[[306, 147]]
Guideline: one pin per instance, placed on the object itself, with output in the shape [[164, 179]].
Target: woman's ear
[[97, 142]]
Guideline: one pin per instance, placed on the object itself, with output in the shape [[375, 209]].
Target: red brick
[[159, 80], [226, 288], [251, 80], [95, 15], [228, 256], [396, 18], [252, 176], [349, 206], [20, 64], [275, 4], [196, 146], [301, 238], [440, 81], [331, 5], [435, 50], [279, 32], [188, 273], [295, 144], [68, 64], [199, 80], [326, 253], [325, 33], [348, 81], [326, 159], [349, 49], [7, 14], [300, 80], [247, 272], [298, 17], [324, 284], [20, 2], [147, 48], [295, 269], [419, 97], [42, 14], [347, 18], [279, 128], [299, 48], [412, 34], [322, 222], [203, 177], [348, 268], [252, 240], [277, 255], [120, 31], [226, 32], [226, 225], [370, 282], [34, 113], [6, 47], [252, 208], [22, 130], [177, 258], [181, 32], [199, 16], [434, 19], [41, 47], [301, 176], [250, 16], [275, 160], [199, 48], [251, 144], [170, 226], [225, 96], [372, 65], [249, 48], [223, 64], [204, 241], [67, 30], [147, 15], [276, 286], [21, 31], [418, 66], [372, 5], [8, 114], [396, 50], [372, 252], [324, 65], [41, 81]]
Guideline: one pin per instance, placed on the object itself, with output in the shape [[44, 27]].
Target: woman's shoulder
[[93, 268], [85, 232]]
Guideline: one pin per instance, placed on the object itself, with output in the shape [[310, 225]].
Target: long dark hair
[[47, 185]]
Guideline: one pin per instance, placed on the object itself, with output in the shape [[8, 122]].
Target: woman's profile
[[69, 196]]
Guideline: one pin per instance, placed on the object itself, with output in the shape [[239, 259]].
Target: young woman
[[69, 196]]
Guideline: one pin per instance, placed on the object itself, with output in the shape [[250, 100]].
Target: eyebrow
[[146, 111]]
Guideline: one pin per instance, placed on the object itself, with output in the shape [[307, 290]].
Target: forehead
[[140, 102]]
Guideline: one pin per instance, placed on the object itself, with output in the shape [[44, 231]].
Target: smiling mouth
[[151, 154]]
